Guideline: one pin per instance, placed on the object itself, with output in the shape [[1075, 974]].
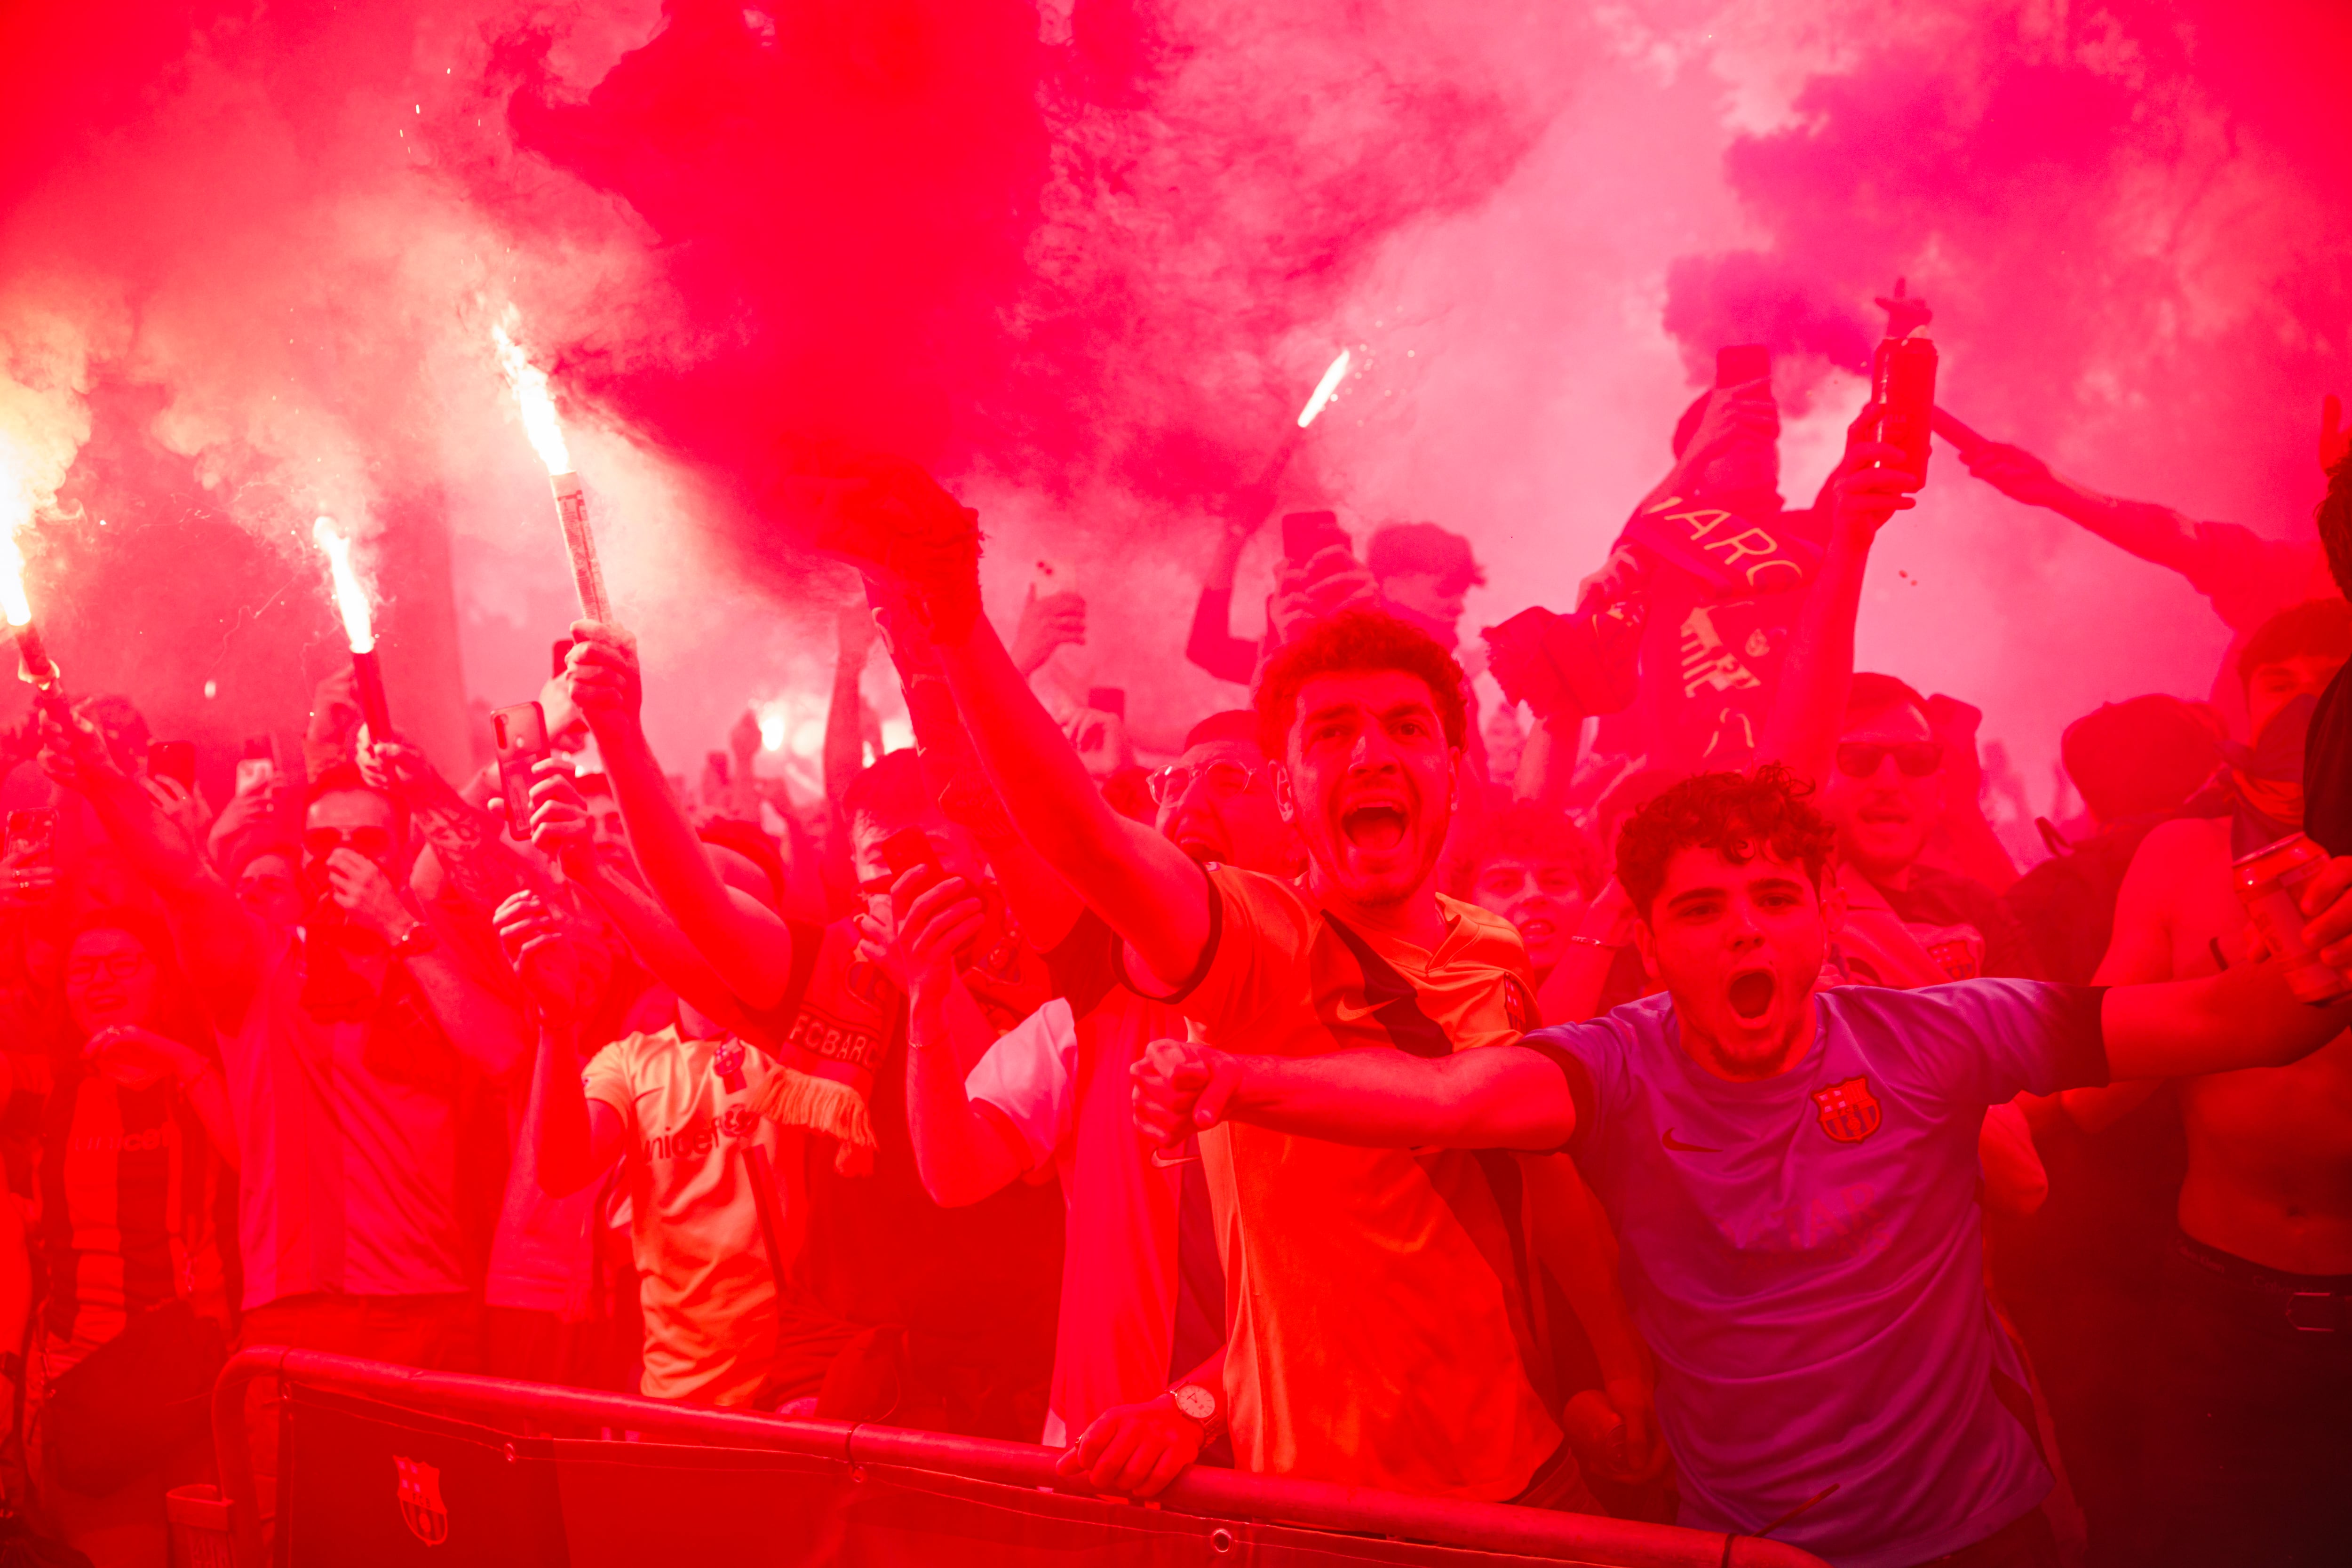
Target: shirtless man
[[2249, 1444]]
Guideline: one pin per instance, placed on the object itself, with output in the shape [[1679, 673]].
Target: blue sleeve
[[1591, 1057], [1980, 1042]]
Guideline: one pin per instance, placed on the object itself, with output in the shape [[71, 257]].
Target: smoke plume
[[1087, 258]]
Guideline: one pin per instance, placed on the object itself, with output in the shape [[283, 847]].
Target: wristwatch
[[1199, 1401], [418, 938]]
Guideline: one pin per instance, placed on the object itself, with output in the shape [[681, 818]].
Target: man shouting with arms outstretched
[[1793, 1172]]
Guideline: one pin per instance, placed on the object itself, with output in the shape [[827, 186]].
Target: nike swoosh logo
[[1679, 1147]]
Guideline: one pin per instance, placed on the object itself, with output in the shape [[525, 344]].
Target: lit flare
[[351, 598], [359, 627], [537, 404], [1325, 389], [18, 608]]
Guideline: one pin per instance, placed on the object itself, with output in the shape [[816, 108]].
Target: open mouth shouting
[[1199, 838], [1376, 818], [1378, 828], [1751, 993]]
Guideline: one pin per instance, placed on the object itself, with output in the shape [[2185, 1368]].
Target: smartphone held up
[[519, 735], [1305, 534], [173, 759], [30, 855]]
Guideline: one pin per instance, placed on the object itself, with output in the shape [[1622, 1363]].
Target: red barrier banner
[[372, 1483], [381, 1464]]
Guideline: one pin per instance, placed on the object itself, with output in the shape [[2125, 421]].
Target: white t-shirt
[[1060, 1077]]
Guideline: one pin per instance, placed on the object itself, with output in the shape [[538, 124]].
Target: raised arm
[[1212, 643], [1809, 706], [481, 1023], [749, 946], [560, 829], [2154, 532], [1042, 903], [574, 1138], [963, 1150], [1139, 883], [483, 869], [220, 942], [1496, 1097], [845, 717]]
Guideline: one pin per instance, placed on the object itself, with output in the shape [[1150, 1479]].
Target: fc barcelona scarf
[[830, 1041]]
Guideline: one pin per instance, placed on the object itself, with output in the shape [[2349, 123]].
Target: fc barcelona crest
[[1849, 1111], [1517, 1011], [420, 1501]]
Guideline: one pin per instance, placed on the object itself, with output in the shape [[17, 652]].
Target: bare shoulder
[[2183, 843]]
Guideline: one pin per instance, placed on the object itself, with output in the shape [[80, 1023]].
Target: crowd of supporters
[[1657, 1093]]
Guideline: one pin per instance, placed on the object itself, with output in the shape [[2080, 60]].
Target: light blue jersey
[[1805, 1255]]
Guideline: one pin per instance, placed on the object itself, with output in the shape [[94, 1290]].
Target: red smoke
[[1088, 258]]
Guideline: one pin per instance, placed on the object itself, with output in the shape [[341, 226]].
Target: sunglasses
[[372, 842], [1225, 778], [1913, 759], [114, 965]]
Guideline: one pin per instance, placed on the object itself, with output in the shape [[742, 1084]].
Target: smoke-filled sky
[[1087, 259]]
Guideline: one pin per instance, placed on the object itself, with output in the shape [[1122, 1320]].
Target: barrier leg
[[234, 1453]]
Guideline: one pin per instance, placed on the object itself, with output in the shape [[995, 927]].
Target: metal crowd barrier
[[1204, 1492]]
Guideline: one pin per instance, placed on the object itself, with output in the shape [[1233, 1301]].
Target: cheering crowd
[[1674, 1104]]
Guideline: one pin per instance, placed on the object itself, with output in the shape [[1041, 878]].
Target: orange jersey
[[1376, 1299]]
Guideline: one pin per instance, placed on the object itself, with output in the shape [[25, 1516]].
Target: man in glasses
[[1887, 788], [349, 1042]]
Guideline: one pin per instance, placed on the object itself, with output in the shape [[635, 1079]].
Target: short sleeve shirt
[[1804, 1255], [705, 1280], [347, 1133], [1143, 1292], [1379, 1334]]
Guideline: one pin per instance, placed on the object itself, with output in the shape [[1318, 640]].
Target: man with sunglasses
[[1142, 1309], [1887, 788], [348, 1042]]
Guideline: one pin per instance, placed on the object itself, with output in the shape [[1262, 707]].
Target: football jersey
[[1380, 1334], [1803, 1253], [704, 1275]]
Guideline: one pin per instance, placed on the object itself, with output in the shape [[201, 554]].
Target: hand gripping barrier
[[1204, 1492]]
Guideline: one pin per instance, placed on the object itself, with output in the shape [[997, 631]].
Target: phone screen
[[519, 735], [32, 853], [1304, 532], [1742, 363], [173, 759]]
